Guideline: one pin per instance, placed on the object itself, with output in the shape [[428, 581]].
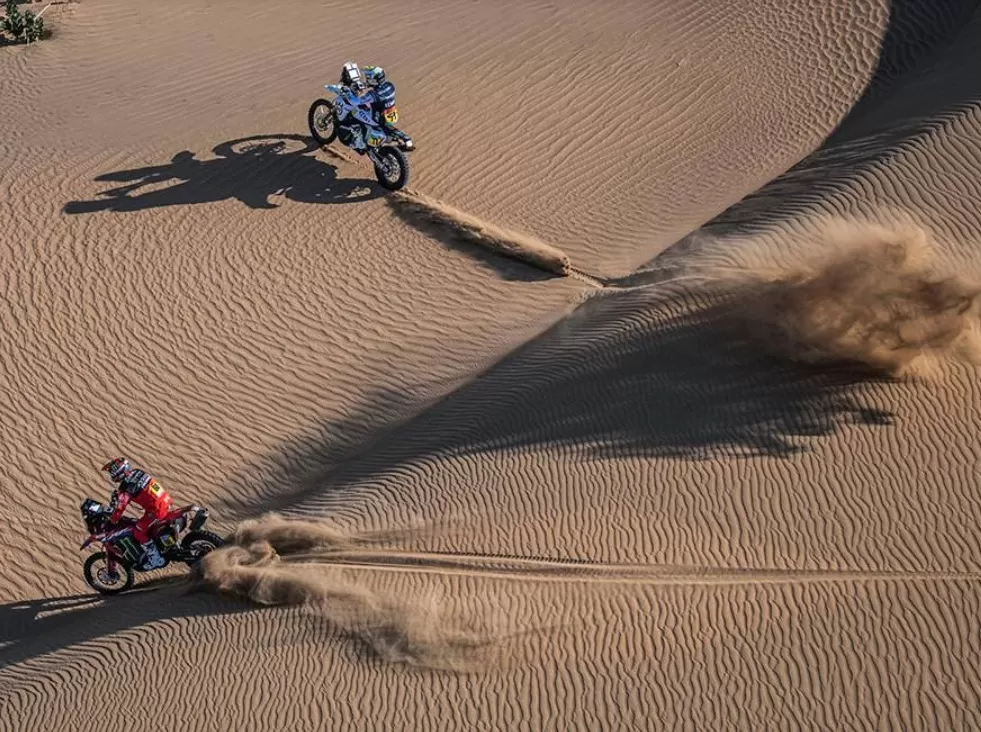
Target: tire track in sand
[[423, 211], [558, 569]]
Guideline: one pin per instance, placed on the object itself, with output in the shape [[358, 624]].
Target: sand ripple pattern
[[624, 657], [620, 511]]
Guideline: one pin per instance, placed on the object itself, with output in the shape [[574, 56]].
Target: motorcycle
[[178, 537], [387, 145]]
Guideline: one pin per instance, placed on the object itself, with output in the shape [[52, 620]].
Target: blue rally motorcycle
[[376, 114]]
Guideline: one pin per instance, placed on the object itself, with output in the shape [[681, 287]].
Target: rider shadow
[[249, 169]]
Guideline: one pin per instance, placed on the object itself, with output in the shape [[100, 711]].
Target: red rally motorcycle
[[178, 536]]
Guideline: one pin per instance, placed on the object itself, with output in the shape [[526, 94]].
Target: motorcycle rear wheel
[[205, 541], [124, 577], [322, 123], [397, 163]]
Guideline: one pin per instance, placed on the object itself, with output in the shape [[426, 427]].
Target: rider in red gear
[[145, 491]]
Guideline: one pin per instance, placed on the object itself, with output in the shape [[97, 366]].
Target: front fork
[[112, 562]]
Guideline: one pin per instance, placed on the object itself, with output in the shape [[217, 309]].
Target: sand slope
[[645, 519]]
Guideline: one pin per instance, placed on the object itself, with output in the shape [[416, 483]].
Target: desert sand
[[650, 404]]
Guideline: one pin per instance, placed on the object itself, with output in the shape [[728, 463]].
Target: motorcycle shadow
[[36, 627], [249, 169]]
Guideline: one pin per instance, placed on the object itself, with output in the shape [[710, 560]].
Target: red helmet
[[117, 468]]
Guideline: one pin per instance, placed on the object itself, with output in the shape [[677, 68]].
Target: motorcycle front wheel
[[393, 173], [100, 579], [320, 119]]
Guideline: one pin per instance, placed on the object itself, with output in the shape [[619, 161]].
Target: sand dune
[[530, 467]]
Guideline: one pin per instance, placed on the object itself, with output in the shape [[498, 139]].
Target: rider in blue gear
[[355, 95], [362, 92]]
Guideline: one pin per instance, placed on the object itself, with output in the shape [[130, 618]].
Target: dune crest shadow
[[623, 377]]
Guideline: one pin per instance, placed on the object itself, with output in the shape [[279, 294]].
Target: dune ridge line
[[521, 247]]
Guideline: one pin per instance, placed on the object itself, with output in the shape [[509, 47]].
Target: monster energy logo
[[131, 550]]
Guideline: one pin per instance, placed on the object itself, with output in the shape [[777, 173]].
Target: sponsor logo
[[128, 547]]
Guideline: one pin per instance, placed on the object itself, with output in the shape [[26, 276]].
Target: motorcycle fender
[[88, 542], [200, 516]]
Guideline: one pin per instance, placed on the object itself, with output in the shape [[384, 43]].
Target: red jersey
[[145, 491]]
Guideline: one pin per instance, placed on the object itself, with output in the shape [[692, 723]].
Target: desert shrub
[[24, 26]]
